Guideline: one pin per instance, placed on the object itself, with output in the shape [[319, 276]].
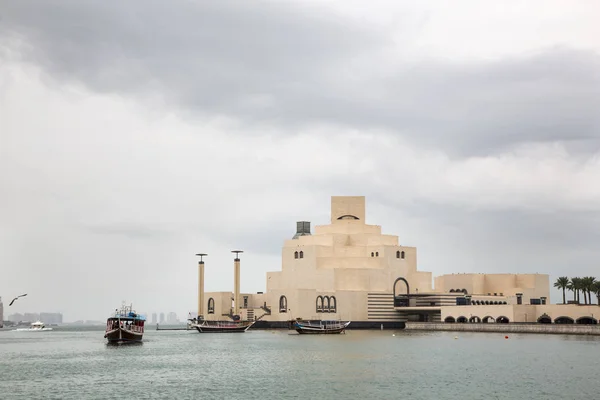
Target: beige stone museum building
[[349, 270]]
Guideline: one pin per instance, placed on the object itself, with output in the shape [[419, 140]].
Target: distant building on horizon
[[31, 317], [153, 318], [16, 317], [51, 318], [172, 318], [162, 317], [1, 313]]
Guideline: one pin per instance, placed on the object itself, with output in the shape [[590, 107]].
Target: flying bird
[[13, 300]]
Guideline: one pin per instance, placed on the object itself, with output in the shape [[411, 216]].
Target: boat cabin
[[127, 323]]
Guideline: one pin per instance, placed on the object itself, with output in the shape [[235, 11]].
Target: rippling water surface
[[77, 364]]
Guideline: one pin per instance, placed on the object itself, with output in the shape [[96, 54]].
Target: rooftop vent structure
[[302, 229]]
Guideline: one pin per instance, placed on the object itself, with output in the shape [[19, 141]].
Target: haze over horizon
[[134, 135]]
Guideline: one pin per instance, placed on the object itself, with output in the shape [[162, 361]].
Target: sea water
[[70, 363]]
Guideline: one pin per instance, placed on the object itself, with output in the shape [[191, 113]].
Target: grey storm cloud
[[94, 186], [289, 65]]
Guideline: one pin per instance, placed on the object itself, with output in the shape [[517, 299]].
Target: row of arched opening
[[326, 304], [399, 254], [299, 254], [476, 320], [544, 319], [458, 291], [487, 302]]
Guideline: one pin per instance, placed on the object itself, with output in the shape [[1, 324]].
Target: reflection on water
[[76, 364]]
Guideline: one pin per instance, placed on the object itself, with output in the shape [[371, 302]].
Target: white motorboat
[[35, 327]]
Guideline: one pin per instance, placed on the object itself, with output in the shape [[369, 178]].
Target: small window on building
[[295, 254], [301, 254], [402, 254], [332, 304], [376, 254], [372, 254], [211, 306], [319, 304], [283, 304]]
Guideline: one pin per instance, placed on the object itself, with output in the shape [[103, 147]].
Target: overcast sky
[[136, 134]]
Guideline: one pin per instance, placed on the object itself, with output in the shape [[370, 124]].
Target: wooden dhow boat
[[320, 327], [204, 326], [125, 326]]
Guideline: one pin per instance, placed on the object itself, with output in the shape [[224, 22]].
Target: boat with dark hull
[[204, 326], [125, 326], [320, 327]]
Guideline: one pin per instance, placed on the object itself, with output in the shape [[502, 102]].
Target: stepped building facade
[[351, 270]]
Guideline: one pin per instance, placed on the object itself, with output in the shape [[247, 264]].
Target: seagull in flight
[[13, 300]]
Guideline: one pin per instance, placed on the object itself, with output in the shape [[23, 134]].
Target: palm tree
[[596, 290], [575, 286], [572, 286], [590, 282], [584, 284], [562, 283]]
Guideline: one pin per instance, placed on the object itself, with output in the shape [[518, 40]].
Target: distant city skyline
[[45, 317], [57, 318]]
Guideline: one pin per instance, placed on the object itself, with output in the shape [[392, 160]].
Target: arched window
[[347, 216], [211, 305], [295, 254], [398, 256], [376, 254], [326, 304], [564, 320], [319, 304], [451, 290], [401, 254], [464, 291], [544, 319], [332, 304], [301, 254], [372, 254], [282, 304]]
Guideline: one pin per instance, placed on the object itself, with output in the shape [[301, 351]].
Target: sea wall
[[354, 325], [564, 329]]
